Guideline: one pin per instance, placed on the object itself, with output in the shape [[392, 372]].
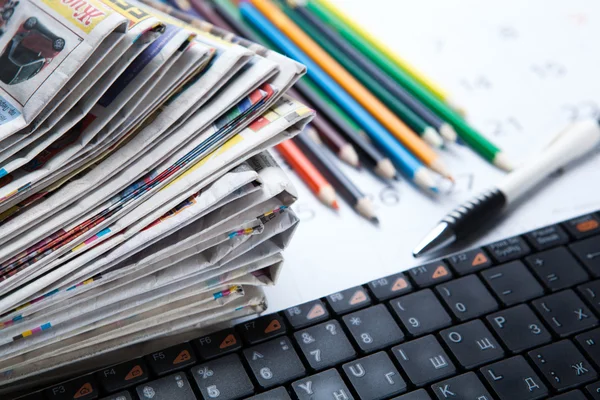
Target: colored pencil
[[344, 186], [314, 97], [402, 158], [377, 109], [336, 142], [306, 170], [389, 54], [478, 142], [372, 70], [338, 117], [416, 123]]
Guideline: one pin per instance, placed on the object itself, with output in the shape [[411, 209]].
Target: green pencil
[[479, 143], [416, 123]]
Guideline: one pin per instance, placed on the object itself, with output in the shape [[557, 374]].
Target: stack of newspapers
[[138, 200]]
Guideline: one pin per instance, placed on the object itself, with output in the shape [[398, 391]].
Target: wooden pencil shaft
[[326, 165]]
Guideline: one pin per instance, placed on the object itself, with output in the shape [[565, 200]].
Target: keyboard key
[[416, 395], [348, 300], [224, 378], [584, 226], [421, 312], [262, 329], [512, 283], [469, 261], [424, 360], [563, 366], [170, 387], [593, 390], [591, 293], [472, 344], [547, 237], [514, 379], [306, 314], [327, 385], [573, 395], [275, 394], [390, 286], [430, 274], [274, 362], [373, 328], [588, 252], [590, 343], [508, 249], [124, 395], [324, 345], [557, 269], [374, 377], [519, 328], [565, 313], [122, 376], [170, 360], [467, 298], [218, 344], [82, 388], [465, 386]]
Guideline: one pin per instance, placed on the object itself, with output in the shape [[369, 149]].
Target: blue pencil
[[402, 158]]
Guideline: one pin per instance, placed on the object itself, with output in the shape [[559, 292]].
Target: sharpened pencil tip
[[501, 161], [432, 137], [335, 205], [349, 155], [375, 220], [434, 189]]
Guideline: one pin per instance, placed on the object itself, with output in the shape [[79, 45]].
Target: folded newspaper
[[139, 204]]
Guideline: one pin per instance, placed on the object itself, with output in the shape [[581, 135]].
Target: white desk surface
[[522, 70]]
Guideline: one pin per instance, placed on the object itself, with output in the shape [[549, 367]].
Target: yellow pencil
[[371, 103]]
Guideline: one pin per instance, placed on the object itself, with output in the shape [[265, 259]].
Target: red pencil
[[308, 173]]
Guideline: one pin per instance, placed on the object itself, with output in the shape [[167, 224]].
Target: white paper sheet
[[522, 70]]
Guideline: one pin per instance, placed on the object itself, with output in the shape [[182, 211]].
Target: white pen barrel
[[574, 142]]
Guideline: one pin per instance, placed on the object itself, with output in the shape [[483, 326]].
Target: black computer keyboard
[[516, 319]]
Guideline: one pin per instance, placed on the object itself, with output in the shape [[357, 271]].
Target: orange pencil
[[308, 173], [371, 103]]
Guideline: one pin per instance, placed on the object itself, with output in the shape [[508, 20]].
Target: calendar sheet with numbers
[[522, 70]]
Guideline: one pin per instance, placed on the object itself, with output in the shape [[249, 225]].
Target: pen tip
[[441, 236]]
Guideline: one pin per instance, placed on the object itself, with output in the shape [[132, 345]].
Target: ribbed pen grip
[[475, 212]]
